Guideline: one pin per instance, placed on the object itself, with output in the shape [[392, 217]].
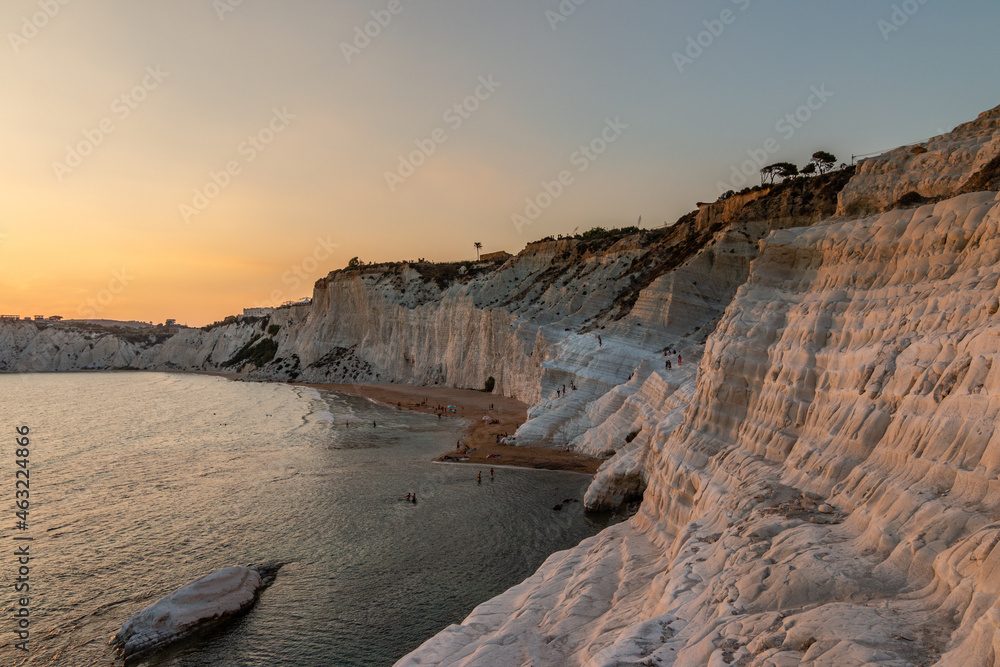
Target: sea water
[[142, 482]]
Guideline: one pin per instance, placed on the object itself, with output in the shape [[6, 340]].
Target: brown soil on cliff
[[480, 436], [987, 178], [800, 201], [805, 198]]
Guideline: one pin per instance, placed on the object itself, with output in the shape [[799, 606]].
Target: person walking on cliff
[[679, 360], [600, 343]]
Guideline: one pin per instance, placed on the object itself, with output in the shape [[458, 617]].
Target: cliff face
[[818, 477], [824, 490], [24, 347], [944, 166]]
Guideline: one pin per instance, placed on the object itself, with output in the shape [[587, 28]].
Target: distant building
[[257, 312], [39, 317], [170, 323], [11, 318], [55, 318], [501, 256]]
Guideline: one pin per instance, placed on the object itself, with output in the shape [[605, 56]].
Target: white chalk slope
[[826, 491]]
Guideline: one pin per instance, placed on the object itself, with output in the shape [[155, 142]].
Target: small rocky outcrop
[[202, 604]]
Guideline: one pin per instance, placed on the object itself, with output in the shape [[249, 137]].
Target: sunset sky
[[186, 159]]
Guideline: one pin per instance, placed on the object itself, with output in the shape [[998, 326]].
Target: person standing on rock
[[679, 360], [600, 343]]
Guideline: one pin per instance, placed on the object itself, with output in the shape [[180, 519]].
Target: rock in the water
[[207, 601]]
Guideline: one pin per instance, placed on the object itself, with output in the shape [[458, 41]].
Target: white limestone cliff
[[826, 494], [818, 478]]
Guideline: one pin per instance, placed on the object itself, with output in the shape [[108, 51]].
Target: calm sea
[[141, 483]]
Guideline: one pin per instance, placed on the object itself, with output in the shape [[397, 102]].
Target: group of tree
[[822, 162]]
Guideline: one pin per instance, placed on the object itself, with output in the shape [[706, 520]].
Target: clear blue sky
[[324, 174]]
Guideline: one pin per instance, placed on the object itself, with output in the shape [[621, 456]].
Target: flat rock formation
[[202, 604]]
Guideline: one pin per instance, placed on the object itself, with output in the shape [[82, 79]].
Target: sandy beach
[[479, 435]]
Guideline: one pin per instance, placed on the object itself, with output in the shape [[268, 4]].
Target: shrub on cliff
[[257, 351]]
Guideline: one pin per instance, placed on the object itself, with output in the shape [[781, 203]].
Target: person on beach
[[491, 473], [374, 425], [679, 360], [408, 497], [479, 477], [600, 343], [414, 499]]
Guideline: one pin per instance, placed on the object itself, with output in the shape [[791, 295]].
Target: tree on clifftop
[[787, 170], [768, 173], [824, 161], [479, 246], [778, 170]]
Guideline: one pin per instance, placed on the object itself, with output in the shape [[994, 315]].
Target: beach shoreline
[[470, 406], [478, 436]]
